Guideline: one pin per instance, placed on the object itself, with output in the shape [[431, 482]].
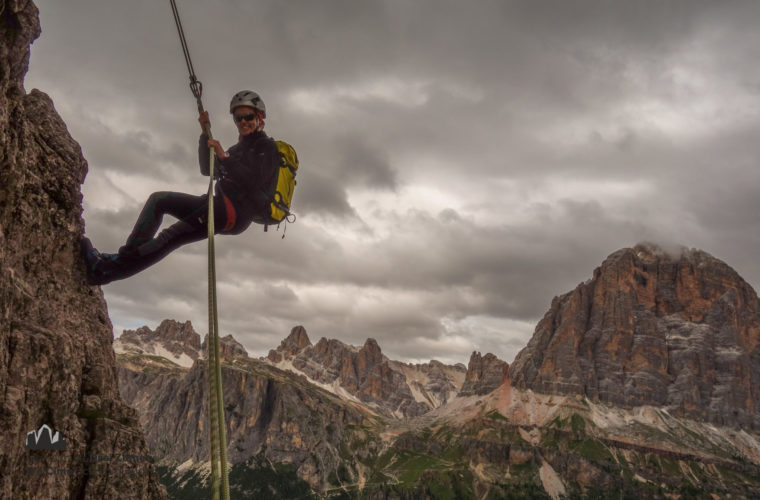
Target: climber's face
[[247, 119]]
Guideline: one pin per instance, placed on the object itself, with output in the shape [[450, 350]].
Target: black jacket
[[246, 175]]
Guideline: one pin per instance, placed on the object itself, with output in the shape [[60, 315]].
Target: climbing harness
[[216, 407]]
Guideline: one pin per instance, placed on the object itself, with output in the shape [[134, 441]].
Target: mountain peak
[[484, 374], [678, 329], [169, 331], [367, 375], [658, 251], [647, 252], [298, 338], [291, 345], [175, 341], [372, 348], [229, 348]]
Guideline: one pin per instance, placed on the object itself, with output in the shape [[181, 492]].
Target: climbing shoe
[[98, 265]]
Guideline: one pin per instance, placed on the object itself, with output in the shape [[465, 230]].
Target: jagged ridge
[[391, 387], [555, 445]]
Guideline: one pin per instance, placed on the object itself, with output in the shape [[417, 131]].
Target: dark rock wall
[[56, 362]]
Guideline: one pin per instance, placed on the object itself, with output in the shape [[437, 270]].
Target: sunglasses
[[248, 118]]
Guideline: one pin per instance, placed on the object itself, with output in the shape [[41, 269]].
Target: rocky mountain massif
[[680, 332], [551, 425], [177, 342], [389, 387], [57, 366]]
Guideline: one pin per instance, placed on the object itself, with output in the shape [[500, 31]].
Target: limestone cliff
[[56, 363], [484, 374], [229, 348], [271, 416], [433, 383], [678, 331]]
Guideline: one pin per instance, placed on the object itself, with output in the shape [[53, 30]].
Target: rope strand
[[196, 87], [217, 431]]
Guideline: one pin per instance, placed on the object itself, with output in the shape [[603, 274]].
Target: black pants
[[144, 247]]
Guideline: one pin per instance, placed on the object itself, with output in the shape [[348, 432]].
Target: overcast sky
[[461, 162]]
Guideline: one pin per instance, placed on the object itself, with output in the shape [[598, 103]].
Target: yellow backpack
[[282, 197]]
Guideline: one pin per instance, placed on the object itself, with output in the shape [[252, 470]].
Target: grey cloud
[[112, 227], [136, 154], [364, 164], [521, 94], [319, 193]]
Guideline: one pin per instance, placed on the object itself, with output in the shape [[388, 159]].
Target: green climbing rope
[[213, 384], [217, 430], [215, 366]]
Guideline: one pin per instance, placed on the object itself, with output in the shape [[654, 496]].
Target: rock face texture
[[484, 374], [392, 388], [678, 331], [229, 348], [433, 383], [56, 363], [270, 414]]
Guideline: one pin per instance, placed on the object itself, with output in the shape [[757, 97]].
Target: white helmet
[[248, 98]]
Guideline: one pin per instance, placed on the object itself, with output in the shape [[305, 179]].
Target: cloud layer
[[461, 163]]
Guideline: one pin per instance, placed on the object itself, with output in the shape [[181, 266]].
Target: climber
[[244, 173]]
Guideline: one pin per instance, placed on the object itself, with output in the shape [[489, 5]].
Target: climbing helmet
[[248, 98]]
